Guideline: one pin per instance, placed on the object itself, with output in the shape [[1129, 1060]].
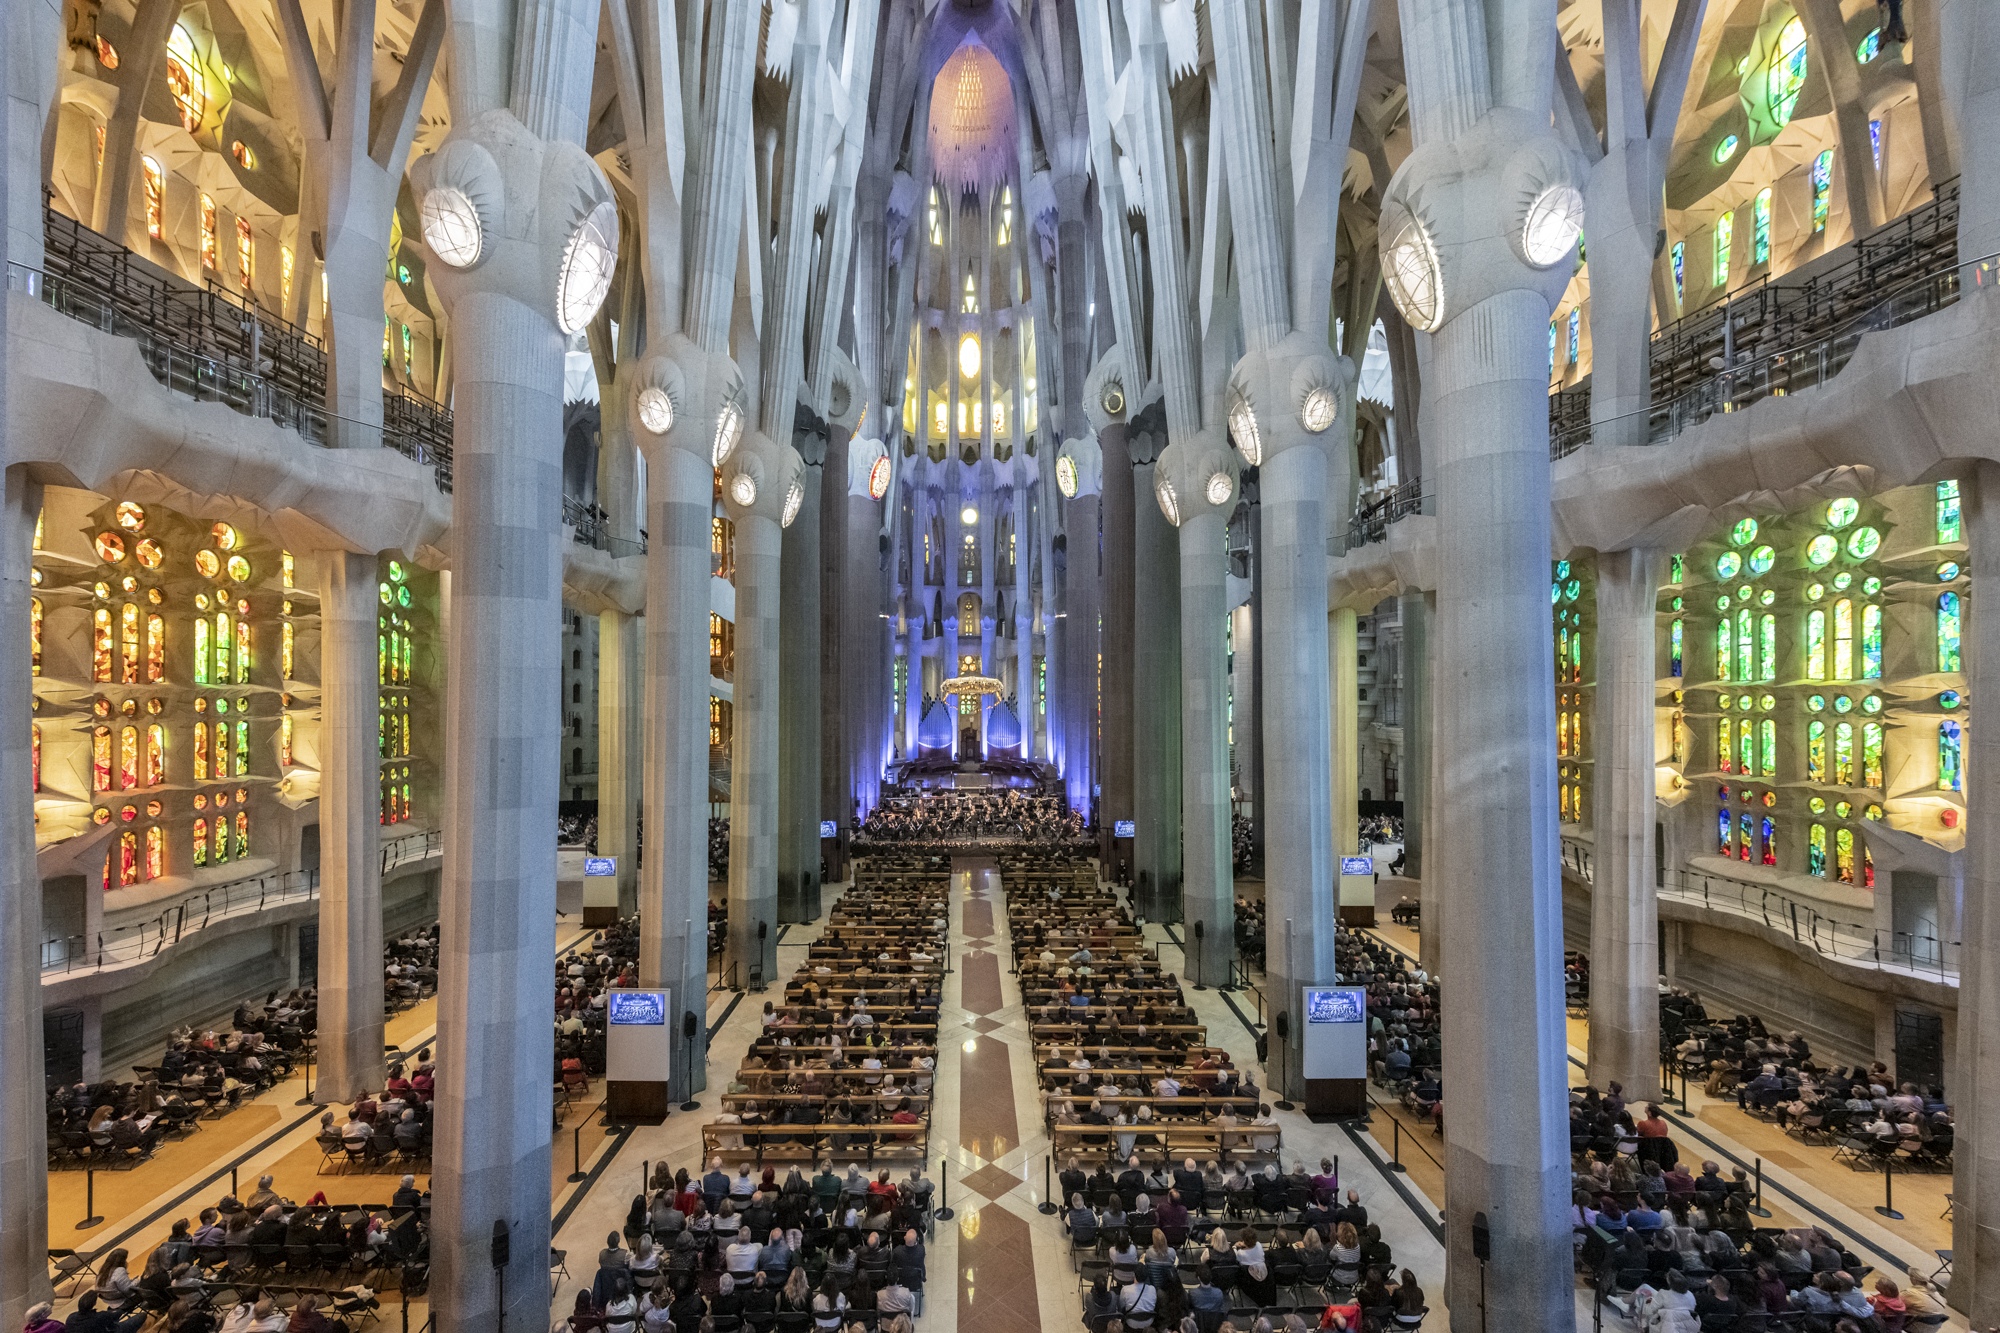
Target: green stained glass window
[[1725, 228], [1728, 564], [1767, 647], [1815, 645], [222, 650], [1864, 542], [1843, 639], [1744, 532], [1746, 647], [1761, 560], [1676, 569], [1821, 549], [1822, 188], [242, 759], [1843, 854], [1948, 632], [1746, 748], [1950, 526], [1725, 746], [1816, 850], [1786, 78], [1951, 776], [1841, 512], [1760, 226], [201, 650], [1767, 747], [1723, 657], [1843, 754], [1871, 754], [1674, 636], [1816, 751], [1871, 642]]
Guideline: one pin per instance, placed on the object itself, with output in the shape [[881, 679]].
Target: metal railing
[[196, 911], [1370, 522], [213, 346], [1850, 941], [590, 525]]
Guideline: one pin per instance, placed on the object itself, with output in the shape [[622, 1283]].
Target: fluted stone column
[[620, 701], [1418, 756], [1624, 907], [503, 663], [1246, 765], [1970, 65], [1342, 629], [1195, 484], [1116, 621], [1156, 690], [798, 705], [1073, 711], [1975, 1227], [865, 652], [755, 481], [1024, 599], [350, 832], [24, 1195]]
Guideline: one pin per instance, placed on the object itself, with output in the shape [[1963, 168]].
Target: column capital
[[1288, 395], [763, 479], [1195, 477]]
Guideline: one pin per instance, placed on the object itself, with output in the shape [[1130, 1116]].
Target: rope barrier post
[[1757, 1208], [944, 1213], [1396, 1155], [1888, 1205], [91, 1218], [1048, 1204], [575, 1154]]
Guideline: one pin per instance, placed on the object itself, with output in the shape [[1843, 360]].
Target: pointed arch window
[[1816, 751], [1951, 770], [1948, 626], [1843, 639], [1815, 645], [1816, 851]]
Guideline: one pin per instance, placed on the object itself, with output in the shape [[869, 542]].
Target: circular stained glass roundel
[[1843, 704], [1767, 702], [1319, 409], [1843, 511], [1871, 585], [151, 554], [588, 259], [1744, 532], [656, 409], [1872, 704], [130, 516], [1743, 702], [1728, 565], [878, 477], [450, 225], [1562, 569], [1555, 220], [743, 490], [110, 547], [1766, 597], [1572, 590], [1762, 559], [239, 569], [1065, 476], [1864, 543], [1821, 549], [1416, 280], [1220, 487], [1949, 700], [208, 562], [1947, 571], [1815, 703], [1722, 602], [1815, 591], [1817, 805], [1843, 581]]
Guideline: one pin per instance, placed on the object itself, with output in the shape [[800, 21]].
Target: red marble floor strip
[[987, 1126], [996, 1272], [978, 918], [979, 986]]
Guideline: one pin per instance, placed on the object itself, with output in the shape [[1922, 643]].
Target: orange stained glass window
[[242, 834], [201, 842], [128, 758], [201, 752], [38, 756], [221, 649], [221, 844], [285, 647], [246, 254], [242, 652], [128, 858], [209, 251], [128, 644], [156, 197], [35, 633], [156, 852], [100, 644], [156, 754], [156, 646], [285, 741], [100, 759]]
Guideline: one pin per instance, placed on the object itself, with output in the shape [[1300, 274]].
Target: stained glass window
[[210, 252], [1746, 844], [1724, 826], [1871, 754], [1843, 854], [1746, 647], [1679, 737], [1723, 657], [37, 741], [285, 740], [156, 197], [1822, 188], [156, 852], [1816, 850], [242, 652], [246, 254], [156, 647], [221, 649], [1767, 745], [1769, 841], [1816, 751], [201, 752], [1843, 754], [1760, 226], [1767, 648], [1680, 272], [201, 842], [1676, 568], [286, 638], [242, 761], [1575, 320], [1871, 642], [201, 650], [100, 644], [220, 846], [1725, 747], [1950, 527], [1843, 639], [128, 644], [128, 757], [1674, 645], [156, 754], [1816, 645], [1552, 345], [221, 769], [1562, 735], [1951, 775], [1725, 228], [100, 759], [242, 834], [35, 635], [1948, 632], [128, 858], [1746, 748]]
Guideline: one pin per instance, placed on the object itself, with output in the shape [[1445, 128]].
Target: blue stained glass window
[[1871, 642], [1680, 267], [1875, 141], [1949, 525], [1948, 632], [1822, 188], [1674, 640], [1575, 322], [1723, 828], [1951, 774]]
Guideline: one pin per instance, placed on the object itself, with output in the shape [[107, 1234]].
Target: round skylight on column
[[1416, 282], [450, 225], [1066, 477], [878, 478], [1554, 222], [589, 256], [728, 430], [743, 490], [1220, 487], [1243, 429], [795, 497], [1170, 503], [1316, 414], [656, 410]]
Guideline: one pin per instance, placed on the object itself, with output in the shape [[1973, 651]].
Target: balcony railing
[[1370, 521], [591, 526], [140, 940], [1793, 331], [1852, 942], [211, 345]]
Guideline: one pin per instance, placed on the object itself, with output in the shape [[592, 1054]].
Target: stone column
[[1024, 598], [24, 1192], [1073, 710], [1195, 483], [1624, 908], [350, 832], [863, 648], [1115, 675], [1346, 706], [619, 707], [798, 705], [755, 481], [1156, 692], [1246, 762], [1975, 1226], [1970, 44], [1417, 759]]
